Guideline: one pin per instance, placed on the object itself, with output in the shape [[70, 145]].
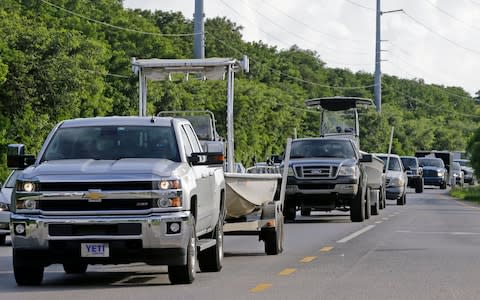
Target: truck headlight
[[168, 184], [26, 204], [4, 206], [26, 186], [440, 173], [347, 171], [166, 202], [396, 181]]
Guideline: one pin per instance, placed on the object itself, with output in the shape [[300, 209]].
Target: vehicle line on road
[[355, 234], [261, 287], [326, 249], [287, 271], [308, 259]]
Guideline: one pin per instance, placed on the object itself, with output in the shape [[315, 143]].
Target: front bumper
[[438, 181], [394, 192], [340, 185], [131, 238]]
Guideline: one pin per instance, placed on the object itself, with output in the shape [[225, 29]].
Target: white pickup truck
[[114, 190]]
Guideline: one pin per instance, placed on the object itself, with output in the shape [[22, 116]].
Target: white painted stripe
[[378, 222], [355, 234]]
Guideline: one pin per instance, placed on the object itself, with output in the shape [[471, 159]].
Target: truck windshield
[[113, 143], [393, 164], [409, 162], [431, 162], [322, 148]]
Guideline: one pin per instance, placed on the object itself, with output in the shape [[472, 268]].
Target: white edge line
[[355, 234]]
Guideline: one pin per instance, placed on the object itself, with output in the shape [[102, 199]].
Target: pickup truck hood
[[78, 169], [322, 161]]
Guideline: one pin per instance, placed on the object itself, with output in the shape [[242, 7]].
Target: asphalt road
[[428, 249]]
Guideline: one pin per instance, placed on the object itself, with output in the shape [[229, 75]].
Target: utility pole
[[199, 30], [378, 72], [378, 58]]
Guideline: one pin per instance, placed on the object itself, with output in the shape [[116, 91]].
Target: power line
[[289, 76], [118, 27], [428, 104], [450, 15], [440, 35], [296, 34], [360, 5], [308, 25]]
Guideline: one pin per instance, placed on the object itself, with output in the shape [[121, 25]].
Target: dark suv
[[414, 172]]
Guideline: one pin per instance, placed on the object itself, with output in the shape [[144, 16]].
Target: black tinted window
[[322, 148]]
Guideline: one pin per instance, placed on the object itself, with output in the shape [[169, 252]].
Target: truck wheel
[[210, 260], [186, 274], [402, 200], [367, 205], [2, 239], [443, 186], [273, 238], [357, 208], [75, 268], [27, 274], [419, 186], [306, 212], [290, 211]]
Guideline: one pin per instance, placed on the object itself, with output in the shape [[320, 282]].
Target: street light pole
[[378, 72], [378, 58]]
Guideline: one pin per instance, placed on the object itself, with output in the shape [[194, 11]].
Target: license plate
[[95, 250]]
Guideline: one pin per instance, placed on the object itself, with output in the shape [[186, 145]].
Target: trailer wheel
[[419, 186], [210, 260], [273, 239], [367, 204], [186, 274]]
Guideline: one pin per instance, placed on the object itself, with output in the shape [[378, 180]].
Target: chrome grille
[[316, 171]]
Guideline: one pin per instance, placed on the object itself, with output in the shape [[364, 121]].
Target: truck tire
[[186, 274], [443, 186], [306, 212], [75, 268], [27, 274], [2, 239], [402, 200], [273, 239], [210, 260], [290, 211], [419, 186], [357, 207]]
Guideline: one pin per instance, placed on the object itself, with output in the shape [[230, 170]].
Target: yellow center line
[[261, 287], [326, 249], [287, 271], [307, 259]]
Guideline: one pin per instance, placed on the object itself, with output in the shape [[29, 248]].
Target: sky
[[434, 40]]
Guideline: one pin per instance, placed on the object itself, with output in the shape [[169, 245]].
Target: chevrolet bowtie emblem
[[94, 195]]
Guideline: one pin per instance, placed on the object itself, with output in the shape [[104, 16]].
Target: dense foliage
[[56, 62]]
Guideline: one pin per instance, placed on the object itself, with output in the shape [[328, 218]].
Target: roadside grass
[[466, 193]]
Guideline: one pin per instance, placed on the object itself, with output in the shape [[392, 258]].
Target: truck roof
[[118, 120]]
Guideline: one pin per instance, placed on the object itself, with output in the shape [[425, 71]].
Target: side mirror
[[212, 146], [16, 158], [206, 158], [366, 158]]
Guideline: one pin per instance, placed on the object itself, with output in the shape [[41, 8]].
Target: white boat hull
[[246, 192]]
